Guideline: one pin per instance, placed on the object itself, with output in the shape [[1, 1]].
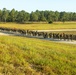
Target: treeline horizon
[[37, 16]]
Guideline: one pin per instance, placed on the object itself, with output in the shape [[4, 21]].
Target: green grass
[[58, 25], [29, 56]]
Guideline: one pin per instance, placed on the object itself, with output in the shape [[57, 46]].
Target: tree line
[[37, 16]]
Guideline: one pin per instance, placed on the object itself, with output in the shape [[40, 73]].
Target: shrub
[[50, 22]]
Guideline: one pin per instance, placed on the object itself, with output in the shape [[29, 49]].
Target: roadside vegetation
[[29, 56], [66, 32]]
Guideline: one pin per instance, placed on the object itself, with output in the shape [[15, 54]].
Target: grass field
[[28, 56], [58, 25]]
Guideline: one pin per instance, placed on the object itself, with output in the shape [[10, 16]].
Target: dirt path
[[3, 33], [55, 30], [6, 33]]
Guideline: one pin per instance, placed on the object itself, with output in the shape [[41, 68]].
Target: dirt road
[[55, 30]]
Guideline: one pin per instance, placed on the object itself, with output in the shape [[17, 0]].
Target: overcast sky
[[32, 5]]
